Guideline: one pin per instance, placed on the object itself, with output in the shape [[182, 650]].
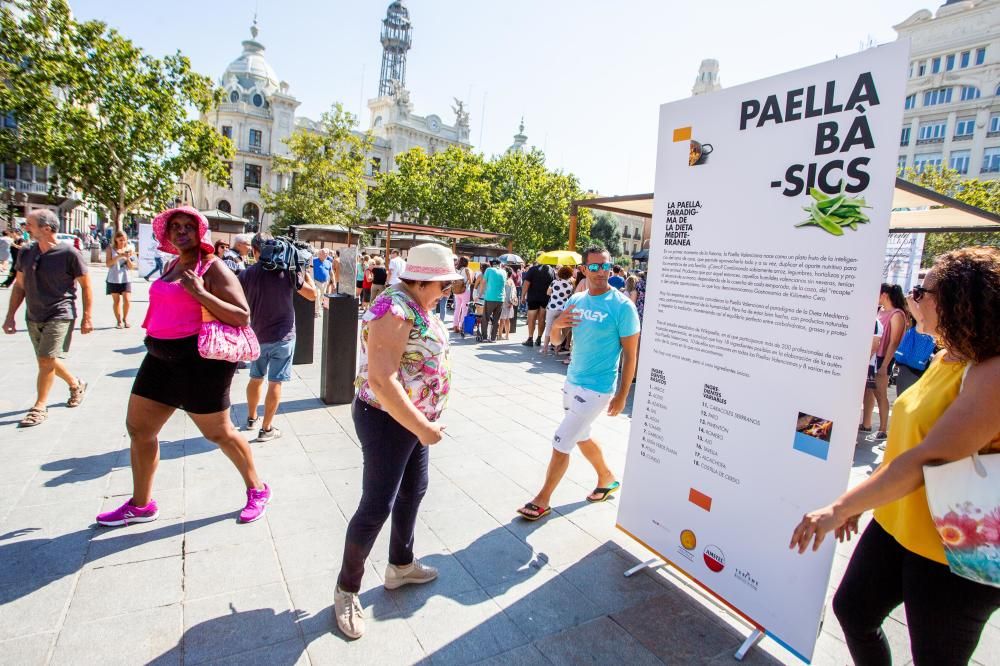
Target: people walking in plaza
[[559, 292], [16, 244], [605, 326], [379, 277], [493, 281], [396, 267], [120, 260], [272, 317], [5, 244], [403, 382], [366, 283], [509, 309], [892, 314], [535, 291], [948, 415], [322, 273], [47, 275], [157, 265], [173, 375], [461, 289], [236, 257]]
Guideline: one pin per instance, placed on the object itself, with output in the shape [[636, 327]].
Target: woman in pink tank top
[[893, 317], [173, 375]]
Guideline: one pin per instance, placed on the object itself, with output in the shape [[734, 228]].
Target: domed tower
[[708, 78], [520, 140], [250, 78], [396, 41]]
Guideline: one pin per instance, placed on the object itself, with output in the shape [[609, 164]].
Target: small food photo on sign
[[812, 435], [699, 152]]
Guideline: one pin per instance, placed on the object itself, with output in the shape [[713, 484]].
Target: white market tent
[[915, 209]]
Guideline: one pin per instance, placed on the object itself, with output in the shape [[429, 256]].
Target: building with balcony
[[951, 115]]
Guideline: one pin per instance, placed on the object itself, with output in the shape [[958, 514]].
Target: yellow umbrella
[[560, 258]]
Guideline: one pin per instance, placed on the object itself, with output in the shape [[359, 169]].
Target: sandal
[[539, 511], [604, 493], [77, 393], [34, 417]]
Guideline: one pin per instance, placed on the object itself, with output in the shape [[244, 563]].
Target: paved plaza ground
[[196, 587]]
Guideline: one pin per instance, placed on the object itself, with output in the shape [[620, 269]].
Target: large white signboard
[[147, 248], [769, 231]]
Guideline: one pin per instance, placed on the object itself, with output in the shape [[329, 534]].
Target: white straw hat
[[430, 261]]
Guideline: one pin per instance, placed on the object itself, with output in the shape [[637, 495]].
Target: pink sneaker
[[129, 513], [256, 504]]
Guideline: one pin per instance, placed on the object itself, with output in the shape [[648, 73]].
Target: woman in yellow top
[[899, 558]]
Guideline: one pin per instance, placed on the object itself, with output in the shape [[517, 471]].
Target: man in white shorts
[[605, 325]]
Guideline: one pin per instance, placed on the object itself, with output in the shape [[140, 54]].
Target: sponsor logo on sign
[[745, 577], [688, 540], [715, 559]]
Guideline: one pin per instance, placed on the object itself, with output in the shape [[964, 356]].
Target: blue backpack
[[915, 350]]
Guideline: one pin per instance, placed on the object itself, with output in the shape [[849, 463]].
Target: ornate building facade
[[258, 115], [951, 115]]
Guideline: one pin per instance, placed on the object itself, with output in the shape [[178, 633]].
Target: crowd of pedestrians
[[944, 341]]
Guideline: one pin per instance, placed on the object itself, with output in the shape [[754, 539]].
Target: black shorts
[[534, 304], [879, 360], [174, 374], [112, 288]]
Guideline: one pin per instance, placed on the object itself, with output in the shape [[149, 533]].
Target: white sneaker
[[415, 572], [350, 616]]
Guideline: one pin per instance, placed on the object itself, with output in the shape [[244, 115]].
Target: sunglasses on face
[[593, 268], [917, 293]]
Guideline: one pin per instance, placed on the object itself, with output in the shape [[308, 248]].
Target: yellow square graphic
[[682, 134]]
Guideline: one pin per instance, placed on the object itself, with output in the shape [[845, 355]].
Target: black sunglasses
[[917, 293]]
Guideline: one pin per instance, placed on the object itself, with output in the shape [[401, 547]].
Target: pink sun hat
[[162, 221]]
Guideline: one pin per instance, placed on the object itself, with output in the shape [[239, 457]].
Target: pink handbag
[[221, 342]]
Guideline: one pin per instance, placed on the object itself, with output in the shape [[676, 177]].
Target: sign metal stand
[[755, 635]]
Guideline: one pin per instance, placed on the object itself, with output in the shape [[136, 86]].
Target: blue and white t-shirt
[[605, 320]]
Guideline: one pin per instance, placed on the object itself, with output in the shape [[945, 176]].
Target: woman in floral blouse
[[403, 382]]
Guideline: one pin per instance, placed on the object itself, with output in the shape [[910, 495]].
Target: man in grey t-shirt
[[47, 274]]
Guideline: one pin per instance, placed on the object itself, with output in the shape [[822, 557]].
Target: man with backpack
[[269, 284]]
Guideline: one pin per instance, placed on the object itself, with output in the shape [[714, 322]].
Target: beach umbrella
[[560, 258], [511, 259]]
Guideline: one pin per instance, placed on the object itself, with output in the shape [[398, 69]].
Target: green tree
[[511, 194], [114, 121], [606, 230], [983, 194], [327, 170]]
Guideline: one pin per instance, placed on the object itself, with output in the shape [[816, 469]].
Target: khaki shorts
[[51, 338]]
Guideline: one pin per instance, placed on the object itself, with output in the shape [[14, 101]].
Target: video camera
[[284, 254]]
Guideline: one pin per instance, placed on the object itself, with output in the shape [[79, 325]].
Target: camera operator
[[269, 286]]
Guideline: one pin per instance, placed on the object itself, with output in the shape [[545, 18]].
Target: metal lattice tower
[[396, 40]]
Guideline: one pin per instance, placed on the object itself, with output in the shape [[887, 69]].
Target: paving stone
[[140, 637], [599, 641], [556, 540], [135, 543], [222, 530], [227, 568], [453, 579], [124, 588], [313, 598], [311, 552], [387, 640], [525, 655], [600, 577], [464, 629], [235, 623], [33, 605], [286, 653], [499, 558], [543, 604], [30, 650]]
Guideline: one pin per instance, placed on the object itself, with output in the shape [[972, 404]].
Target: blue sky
[[588, 75]]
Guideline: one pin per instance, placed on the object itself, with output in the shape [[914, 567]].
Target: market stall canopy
[[223, 216], [641, 255], [915, 209], [446, 232]]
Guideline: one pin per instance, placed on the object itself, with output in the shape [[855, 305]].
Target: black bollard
[[340, 350], [305, 329]]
